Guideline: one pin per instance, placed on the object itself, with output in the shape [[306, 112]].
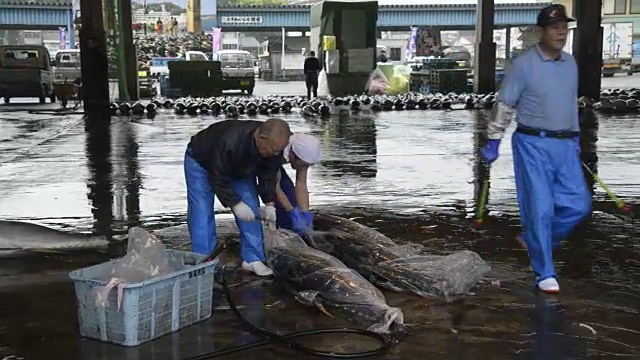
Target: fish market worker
[[542, 87], [224, 160], [292, 205]]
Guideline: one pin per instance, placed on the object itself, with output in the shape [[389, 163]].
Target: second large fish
[[398, 267]]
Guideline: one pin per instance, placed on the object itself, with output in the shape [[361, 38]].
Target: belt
[[560, 134]]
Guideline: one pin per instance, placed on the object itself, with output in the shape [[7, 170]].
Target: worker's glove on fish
[[268, 214], [308, 217], [298, 221], [490, 151], [576, 142], [243, 212]]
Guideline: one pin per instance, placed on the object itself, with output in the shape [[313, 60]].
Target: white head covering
[[305, 146]]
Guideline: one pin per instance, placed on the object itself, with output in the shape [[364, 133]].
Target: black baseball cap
[[553, 13]]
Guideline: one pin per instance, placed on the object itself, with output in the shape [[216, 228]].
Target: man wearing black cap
[[542, 88]]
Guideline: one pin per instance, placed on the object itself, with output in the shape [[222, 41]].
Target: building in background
[[140, 16], [615, 11]]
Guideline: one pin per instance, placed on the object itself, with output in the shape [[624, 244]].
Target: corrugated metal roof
[[395, 17], [297, 7], [28, 3], [39, 16], [453, 18]]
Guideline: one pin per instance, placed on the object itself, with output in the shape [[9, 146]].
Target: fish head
[[393, 321], [280, 237]]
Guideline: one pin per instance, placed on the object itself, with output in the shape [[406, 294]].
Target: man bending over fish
[[292, 199], [224, 160]]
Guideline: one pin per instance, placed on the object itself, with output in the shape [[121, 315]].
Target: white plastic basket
[[149, 309]]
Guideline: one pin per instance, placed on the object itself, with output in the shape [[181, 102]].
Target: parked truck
[[66, 66], [25, 71], [617, 47], [159, 64]]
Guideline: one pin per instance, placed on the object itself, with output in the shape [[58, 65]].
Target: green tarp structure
[[352, 22]]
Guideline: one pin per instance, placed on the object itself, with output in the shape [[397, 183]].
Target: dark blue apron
[[283, 220]]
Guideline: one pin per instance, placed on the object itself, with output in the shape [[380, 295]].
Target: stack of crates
[[446, 81], [429, 79], [196, 78], [439, 64]]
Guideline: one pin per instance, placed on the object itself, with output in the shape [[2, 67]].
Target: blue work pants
[[552, 195], [201, 218]]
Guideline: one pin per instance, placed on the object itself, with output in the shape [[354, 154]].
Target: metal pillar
[[587, 46], [587, 49], [130, 57], [108, 14], [93, 46], [484, 78], [507, 41], [71, 33], [194, 25]]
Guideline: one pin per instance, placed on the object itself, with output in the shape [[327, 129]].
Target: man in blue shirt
[[542, 88]]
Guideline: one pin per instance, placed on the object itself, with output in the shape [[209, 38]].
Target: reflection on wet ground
[[409, 174]]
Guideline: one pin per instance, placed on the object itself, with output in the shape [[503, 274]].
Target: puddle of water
[[412, 174]]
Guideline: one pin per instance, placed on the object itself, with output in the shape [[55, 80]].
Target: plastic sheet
[[323, 85], [398, 84], [402, 70], [145, 259], [398, 267], [320, 280], [377, 83]]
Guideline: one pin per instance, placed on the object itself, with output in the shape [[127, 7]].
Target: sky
[[207, 6]]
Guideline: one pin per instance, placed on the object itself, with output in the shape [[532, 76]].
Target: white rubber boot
[[257, 267], [549, 285]]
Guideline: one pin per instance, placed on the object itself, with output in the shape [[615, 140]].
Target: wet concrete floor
[[409, 174]]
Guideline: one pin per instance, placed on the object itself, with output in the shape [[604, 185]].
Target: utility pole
[[194, 25], [94, 64], [128, 49]]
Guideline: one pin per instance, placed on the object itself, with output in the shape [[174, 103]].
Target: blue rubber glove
[[298, 222], [576, 142], [490, 151], [308, 216]]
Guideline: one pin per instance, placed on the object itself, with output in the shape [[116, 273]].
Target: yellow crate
[[329, 42]]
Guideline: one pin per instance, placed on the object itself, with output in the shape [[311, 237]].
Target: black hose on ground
[[386, 343]]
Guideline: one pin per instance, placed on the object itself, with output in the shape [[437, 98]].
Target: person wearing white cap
[[292, 198]]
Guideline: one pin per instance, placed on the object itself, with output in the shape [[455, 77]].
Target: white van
[[238, 72]]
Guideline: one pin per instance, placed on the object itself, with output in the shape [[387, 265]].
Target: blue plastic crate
[[149, 309]]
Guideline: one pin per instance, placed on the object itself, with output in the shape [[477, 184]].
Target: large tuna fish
[[397, 267], [20, 238], [321, 280]]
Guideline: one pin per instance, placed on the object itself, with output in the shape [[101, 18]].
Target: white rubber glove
[[268, 214], [243, 212]]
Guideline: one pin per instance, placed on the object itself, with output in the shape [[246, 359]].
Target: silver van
[[238, 72], [66, 66]]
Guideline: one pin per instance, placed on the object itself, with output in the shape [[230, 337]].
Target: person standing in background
[[170, 26], [159, 26], [311, 71], [174, 32], [382, 57]]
